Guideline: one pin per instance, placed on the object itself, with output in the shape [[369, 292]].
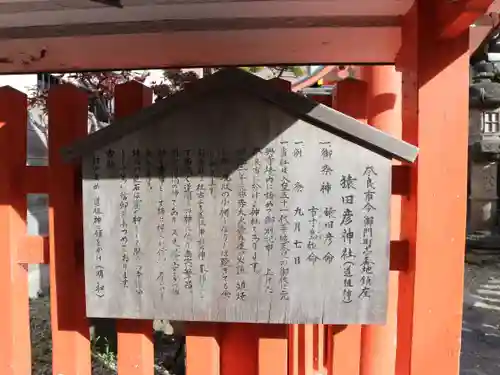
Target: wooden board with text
[[235, 208], [225, 228]]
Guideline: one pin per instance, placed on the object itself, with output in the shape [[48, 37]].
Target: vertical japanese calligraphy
[[97, 219], [148, 169], [274, 233], [200, 196], [255, 210], [269, 219], [326, 169], [137, 218], [348, 255], [212, 164], [298, 187], [188, 219], [161, 211], [241, 227], [367, 263], [328, 237], [174, 215], [284, 221], [123, 214], [225, 262], [326, 227]]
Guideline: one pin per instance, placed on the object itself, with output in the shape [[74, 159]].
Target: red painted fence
[[212, 349]]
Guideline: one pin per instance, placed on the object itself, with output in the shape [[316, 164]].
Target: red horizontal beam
[[35, 179], [35, 250], [455, 17]]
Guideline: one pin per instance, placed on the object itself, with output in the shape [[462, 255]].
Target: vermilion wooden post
[[378, 343], [135, 337], [15, 345], [68, 117], [345, 345], [273, 349], [202, 349], [435, 117]]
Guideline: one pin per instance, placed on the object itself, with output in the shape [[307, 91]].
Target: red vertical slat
[[378, 343], [273, 349], [68, 116], [435, 117], [202, 349], [135, 337], [351, 99], [15, 346]]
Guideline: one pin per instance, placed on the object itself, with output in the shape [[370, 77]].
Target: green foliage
[[106, 356]]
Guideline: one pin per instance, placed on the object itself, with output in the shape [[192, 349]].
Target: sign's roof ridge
[[317, 114]]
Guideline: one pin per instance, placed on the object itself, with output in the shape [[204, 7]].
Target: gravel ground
[[167, 360], [481, 320]]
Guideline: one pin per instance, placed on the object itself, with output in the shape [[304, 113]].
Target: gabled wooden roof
[[236, 79]]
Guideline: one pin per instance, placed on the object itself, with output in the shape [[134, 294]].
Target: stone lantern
[[484, 148], [484, 103]]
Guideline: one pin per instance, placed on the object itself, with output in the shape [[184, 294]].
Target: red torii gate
[[429, 45]]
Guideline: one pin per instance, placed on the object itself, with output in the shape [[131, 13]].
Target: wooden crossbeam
[[454, 17], [35, 179], [35, 250]]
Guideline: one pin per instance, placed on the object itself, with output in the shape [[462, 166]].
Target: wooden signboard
[[232, 209]]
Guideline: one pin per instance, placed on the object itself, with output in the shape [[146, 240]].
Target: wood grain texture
[[60, 53], [61, 14], [257, 229], [386, 7]]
